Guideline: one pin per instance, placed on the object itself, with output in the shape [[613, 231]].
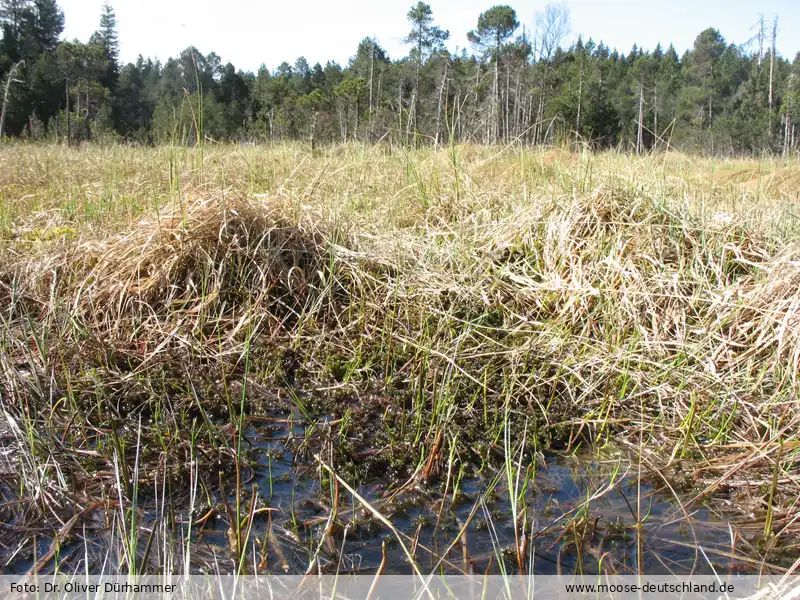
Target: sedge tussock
[[206, 253]]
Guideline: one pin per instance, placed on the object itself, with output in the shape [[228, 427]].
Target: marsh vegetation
[[268, 359]]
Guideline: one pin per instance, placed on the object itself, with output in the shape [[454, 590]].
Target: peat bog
[[361, 359]]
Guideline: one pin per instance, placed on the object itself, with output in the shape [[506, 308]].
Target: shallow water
[[576, 512], [579, 512]]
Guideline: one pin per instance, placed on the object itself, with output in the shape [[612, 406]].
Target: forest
[[532, 307], [514, 85]]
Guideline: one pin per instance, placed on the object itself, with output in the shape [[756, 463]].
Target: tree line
[[515, 85]]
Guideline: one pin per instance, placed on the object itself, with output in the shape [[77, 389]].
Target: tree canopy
[[516, 84]]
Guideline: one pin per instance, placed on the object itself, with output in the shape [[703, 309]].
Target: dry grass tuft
[[210, 254]]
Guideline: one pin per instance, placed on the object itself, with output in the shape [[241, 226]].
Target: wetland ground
[[360, 359]]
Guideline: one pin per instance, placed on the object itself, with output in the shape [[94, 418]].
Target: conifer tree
[[495, 27], [106, 36], [425, 38]]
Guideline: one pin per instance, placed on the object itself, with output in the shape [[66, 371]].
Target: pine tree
[[49, 23], [791, 109], [425, 38], [12, 14], [106, 36], [665, 95], [31, 29], [700, 97], [16, 18], [495, 27]]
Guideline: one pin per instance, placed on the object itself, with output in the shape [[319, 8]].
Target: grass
[[417, 313]]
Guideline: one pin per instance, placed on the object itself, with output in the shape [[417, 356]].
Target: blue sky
[[249, 33]]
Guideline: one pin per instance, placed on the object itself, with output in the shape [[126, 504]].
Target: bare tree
[[552, 26], [442, 88], [640, 124], [9, 80], [772, 72]]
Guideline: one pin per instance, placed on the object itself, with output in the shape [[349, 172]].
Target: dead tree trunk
[[517, 116], [640, 128], [400, 112], [655, 117], [772, 79], [441, 97], [496, 95], [506, 120], [371, 82], [580, 98], [69, 125], [9, 80], [787, 121]]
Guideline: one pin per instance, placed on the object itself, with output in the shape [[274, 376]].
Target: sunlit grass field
[[422, 314]]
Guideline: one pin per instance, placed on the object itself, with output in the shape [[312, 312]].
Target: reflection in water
[[579, 513], [573, 513]]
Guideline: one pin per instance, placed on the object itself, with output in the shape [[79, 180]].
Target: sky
[[250, 33]]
